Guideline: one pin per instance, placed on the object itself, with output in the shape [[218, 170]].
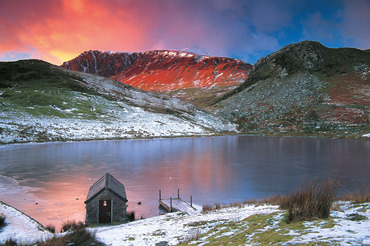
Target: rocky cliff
[[182, 74], [304, 89]]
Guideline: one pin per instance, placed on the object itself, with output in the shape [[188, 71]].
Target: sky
[[59, 30]]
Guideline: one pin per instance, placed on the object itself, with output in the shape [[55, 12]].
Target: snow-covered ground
[[346, 229], [20, 227], [173, 228], [117, 111], [27, 128], [199, 228]]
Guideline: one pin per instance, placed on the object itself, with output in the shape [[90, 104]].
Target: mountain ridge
[[303, 89], [189, 76]]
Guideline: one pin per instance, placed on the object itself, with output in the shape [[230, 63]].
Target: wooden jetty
[[175, 204]]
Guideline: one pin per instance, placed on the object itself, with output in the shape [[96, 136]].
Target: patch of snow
[[95, 62], [185, 54], [172, 228], [366, 135], [20, 227], [132, 113], [345, 231]]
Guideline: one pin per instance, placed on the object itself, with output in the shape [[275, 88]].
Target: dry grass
[[10, 242], [79, 237], [131, 216], [73, 226], [250, 202], [2, 221], [236, 204], [313, 199], [50, 228], [207, 208], [361, 195]]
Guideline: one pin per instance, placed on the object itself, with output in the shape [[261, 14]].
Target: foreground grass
[[361, 195], [305, 211], [259, 229], [78, 237], [346, 225], [2, 221]]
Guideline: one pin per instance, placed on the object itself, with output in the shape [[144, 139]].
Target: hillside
[[43, 102], [303, 89], [189, 76]]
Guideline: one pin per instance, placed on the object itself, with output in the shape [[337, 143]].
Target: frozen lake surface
[[50, 181]]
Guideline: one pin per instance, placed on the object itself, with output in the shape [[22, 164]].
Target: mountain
[[43, 102], [189, 76], [303, 89]]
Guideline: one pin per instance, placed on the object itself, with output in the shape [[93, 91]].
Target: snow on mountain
[[165, 70], [41, 102]]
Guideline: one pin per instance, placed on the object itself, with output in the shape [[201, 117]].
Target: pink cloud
[[58, 30], [61, 29]]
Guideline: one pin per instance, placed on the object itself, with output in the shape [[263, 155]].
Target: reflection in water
[[54, 178]]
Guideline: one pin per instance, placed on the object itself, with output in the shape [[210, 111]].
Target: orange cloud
[[58, 30], [74, 27]]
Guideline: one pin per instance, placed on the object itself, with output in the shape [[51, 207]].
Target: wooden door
[[105, 211]]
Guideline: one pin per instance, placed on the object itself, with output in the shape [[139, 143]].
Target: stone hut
[[106, 201]]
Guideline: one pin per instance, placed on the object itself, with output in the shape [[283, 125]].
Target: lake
[[50, 181]]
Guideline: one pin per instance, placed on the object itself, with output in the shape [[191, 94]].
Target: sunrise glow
[[59, 30]]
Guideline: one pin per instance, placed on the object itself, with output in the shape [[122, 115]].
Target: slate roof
[[107, 182]]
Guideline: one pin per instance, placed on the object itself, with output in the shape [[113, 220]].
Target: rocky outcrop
[[163, 70], [304, 89]]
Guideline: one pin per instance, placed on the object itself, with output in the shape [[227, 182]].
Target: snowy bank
[[21, 228], [349, 224], [173, 228]]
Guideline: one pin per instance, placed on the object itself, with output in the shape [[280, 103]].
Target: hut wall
[[119, 213]]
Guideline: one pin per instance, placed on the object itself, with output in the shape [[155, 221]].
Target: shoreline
[[247, 223], [189, 136]]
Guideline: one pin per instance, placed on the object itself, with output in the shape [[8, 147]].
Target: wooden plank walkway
[[178, 204]]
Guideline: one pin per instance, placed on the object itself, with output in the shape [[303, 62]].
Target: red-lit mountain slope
[[186, 75]]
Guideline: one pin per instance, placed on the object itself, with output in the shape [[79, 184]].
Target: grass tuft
[[313, 199], [79, 237], [131, 215], [73, 226], [50, 228], [2, 221], [361, 195], [207, 208], [10, 242]]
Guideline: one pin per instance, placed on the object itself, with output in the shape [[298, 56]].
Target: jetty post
[[176, 203]]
